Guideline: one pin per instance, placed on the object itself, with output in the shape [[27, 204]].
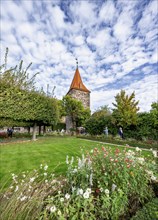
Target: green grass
[[18, 157]]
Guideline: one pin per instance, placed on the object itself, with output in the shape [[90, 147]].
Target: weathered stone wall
[[82, 96]]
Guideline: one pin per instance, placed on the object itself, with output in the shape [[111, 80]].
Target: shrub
[[100, 185], [148, 212]]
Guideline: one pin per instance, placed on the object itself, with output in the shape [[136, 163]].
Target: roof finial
[[77, 62]]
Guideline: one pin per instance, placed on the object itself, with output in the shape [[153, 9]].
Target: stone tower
[[78, 91]]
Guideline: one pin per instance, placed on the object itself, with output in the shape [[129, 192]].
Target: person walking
[[121, 132]]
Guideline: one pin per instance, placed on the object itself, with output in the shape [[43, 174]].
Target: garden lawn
[[18, 157]]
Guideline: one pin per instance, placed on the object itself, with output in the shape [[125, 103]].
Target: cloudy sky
[[116, 44]]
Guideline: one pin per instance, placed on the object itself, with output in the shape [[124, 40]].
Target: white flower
[[54, 181], [62, 199], [53, 208], [45, 174], [149, 172], [138, 149], [89, 163], [91, 179], [106, 191], [32, 179], [91, 151], [153, 178], [130, 154], [75, 170], [23, 198], [140, 160], [16, 189], [101, 189], [59, 212], [67, 196], [72, 160], [81, 163], [113, 187], [80, 192], [45, 167], [86, 195], [24, 175], [88, 190], [73, 189], [46, 181], [154, 153], [67, 159]]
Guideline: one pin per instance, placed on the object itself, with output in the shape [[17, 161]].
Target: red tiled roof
[[77, 82]]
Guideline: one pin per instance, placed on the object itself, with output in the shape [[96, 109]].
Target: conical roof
[[77, 82]]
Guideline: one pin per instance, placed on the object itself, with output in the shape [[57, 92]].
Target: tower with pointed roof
[[78, 91]]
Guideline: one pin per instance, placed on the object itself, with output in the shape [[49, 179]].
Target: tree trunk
[[28, 130], [44, 129], [39, 129], [34, 132]]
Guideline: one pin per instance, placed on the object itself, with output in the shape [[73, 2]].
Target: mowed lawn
[[18, 157]]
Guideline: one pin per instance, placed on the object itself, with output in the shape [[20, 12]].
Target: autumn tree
[[126, 108]]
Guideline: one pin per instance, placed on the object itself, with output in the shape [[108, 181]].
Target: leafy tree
[[99, 120], [102, 111], [75, 110], [19, 102], [126, 108], [154, 114]]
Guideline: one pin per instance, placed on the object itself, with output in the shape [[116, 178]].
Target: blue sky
[[116, 44]]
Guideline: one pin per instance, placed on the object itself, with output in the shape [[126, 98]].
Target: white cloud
[[84, 12], [108, 12], [106, 39]]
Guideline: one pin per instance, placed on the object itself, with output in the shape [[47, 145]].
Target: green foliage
[[75, 110], [144, 129], [99, 185], [19, 102], [125, 112], [59, 126], [102, 111], [154, 114], [118, 141], [148, 212], [99, 120]]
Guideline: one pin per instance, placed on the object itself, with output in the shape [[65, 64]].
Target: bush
[[148, 212], [100, 185]]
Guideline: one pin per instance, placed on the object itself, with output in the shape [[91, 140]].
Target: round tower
[[78, 90]]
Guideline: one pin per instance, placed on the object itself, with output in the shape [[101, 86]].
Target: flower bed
[[99, 185]]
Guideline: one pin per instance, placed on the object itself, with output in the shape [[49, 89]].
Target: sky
[[115, 42]]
